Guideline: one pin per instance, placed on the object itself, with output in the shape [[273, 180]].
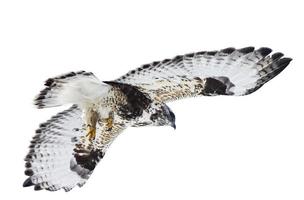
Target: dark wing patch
[[85, 160], [214, 87], [88, 159], [88, 154]]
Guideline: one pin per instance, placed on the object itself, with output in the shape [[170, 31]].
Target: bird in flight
[[66, 149]]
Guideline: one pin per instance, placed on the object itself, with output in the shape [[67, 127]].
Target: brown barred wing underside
[[226, 72]]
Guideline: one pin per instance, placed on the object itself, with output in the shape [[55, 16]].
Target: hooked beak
[[170, 116], [173, 126]]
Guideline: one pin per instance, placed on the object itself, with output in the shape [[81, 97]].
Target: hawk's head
[[162, 115]]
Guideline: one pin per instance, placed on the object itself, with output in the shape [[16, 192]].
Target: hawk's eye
[[154, 116]]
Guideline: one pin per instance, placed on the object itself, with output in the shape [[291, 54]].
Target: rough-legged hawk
[[67, 147]]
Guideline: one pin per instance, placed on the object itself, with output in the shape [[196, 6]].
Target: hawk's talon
[[91, 133], [109, 123]]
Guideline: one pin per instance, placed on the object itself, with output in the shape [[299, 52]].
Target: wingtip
[[228, 50], [284, 62], [289, 59], [28, 182], [29, 172], [49, 82], [246, 50], [264, 51], [37, 188], [277, 55]]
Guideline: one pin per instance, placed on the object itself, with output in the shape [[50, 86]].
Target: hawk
[[66, 149]]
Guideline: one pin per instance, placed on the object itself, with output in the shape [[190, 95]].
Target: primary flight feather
[[66, 148]]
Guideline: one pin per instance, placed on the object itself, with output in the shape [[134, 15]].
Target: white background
[[243, 148]]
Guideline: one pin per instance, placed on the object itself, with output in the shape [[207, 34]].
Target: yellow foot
[[109, 123], [91, 132]]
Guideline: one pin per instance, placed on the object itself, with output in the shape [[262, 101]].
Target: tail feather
[[71, 88]]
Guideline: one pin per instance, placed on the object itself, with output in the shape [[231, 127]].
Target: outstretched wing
[[61, 156], [226, 72]]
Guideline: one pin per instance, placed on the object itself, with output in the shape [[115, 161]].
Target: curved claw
[[109, 123], [91, 132]]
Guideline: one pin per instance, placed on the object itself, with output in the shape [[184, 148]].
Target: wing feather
[[60, 155], [71, 88], [229, 71]]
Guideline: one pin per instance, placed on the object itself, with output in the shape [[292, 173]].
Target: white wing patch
[[244, 71]]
